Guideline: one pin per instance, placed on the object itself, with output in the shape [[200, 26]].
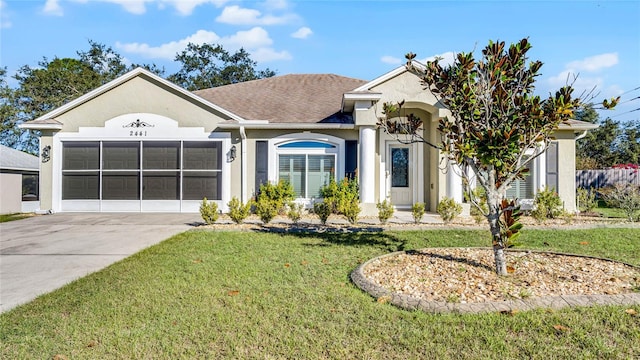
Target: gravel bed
[[466, 275]]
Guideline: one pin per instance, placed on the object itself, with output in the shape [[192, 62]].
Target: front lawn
[[14, 216], [204, 294]]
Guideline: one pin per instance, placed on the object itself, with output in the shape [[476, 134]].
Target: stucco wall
[[46, 173], [140, 95], [265, 135], [10, 193], [567, 169]]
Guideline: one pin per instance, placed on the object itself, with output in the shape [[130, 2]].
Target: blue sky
[[598, 40]]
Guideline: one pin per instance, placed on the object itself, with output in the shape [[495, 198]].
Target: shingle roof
[[12, 159], [296, 98]]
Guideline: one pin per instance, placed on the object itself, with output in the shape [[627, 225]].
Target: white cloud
[[276, 4], [139, 7], [186, 7], [580, 82], [5, 23], [170, 49], [250, 39], [52, 7], [446, 59], [256, 41], [302, 33], [269, 54], [391, 60], [594, 63], [235, 15]]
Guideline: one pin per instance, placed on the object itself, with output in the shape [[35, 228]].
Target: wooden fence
[[603, 178]]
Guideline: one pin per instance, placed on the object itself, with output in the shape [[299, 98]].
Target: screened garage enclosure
[[140, 175]]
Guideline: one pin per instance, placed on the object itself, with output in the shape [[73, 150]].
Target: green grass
[[246, 295], [609, 212], [14, 216]]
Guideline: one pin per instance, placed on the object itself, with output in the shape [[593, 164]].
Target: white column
[[367, 166], [540, 171], [454, 182]]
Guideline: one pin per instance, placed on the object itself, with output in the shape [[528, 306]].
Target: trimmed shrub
[[209, 211], [417, 210], [448, 209], [323, 210], [547, 205], [586, 200], [238, 211], [385, 211], [343, 198], [272, 198], [295, 212]]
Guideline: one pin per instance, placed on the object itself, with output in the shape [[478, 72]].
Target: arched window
[[308, 165]]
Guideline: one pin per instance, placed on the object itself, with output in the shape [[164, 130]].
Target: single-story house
[[18, 181], [142, 143]]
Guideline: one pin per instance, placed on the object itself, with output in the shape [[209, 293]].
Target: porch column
[[367, 166], [540, 171], [454, 182]]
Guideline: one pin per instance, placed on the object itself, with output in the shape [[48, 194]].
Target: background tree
[[53, 83], [10, 134], [496, 118], [210, 65]]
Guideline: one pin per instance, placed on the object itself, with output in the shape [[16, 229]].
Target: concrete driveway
[[43, 253]]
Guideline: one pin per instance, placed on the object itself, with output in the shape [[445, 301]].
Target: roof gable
[[138, 72]]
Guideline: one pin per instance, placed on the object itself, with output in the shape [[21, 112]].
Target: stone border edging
[[551, 302]]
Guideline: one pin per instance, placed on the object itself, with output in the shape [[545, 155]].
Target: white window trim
[[275, 152]]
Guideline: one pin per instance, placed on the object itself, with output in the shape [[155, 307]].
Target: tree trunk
[[496, 236]]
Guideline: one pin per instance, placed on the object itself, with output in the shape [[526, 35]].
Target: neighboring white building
[[141, 143], [18, 181]]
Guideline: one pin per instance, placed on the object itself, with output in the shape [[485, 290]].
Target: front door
[[401, 175]]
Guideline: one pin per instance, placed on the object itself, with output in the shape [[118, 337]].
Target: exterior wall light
[[232, 153], [45, 155]]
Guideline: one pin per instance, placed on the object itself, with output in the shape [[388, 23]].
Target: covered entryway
[[403, 171]]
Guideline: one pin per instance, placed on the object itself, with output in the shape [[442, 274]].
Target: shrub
[[281, 194], [479, 205], [343, 198], [625, 197], [417, 210], [271, 200], [266, 209], [586, 200], [448, 209], [547, 205], [209, 211], [385, 211], [295, 212], [238, 211], [323, 210]]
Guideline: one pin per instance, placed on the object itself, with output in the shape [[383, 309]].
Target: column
[[454, 182], [367, 166]]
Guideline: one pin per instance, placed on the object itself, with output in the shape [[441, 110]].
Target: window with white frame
[[307, 166]]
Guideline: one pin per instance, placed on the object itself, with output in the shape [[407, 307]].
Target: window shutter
[[350, 158], [262, 164], [552, 165]]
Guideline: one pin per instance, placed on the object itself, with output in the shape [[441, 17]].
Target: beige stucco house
[[18, 181], [141, 143]]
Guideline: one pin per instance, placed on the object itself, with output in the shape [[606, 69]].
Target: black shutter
[[552, 165], [350, 158], [262, 164]]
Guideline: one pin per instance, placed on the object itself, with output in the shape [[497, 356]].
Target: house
[[141, 143], [18, 181]]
